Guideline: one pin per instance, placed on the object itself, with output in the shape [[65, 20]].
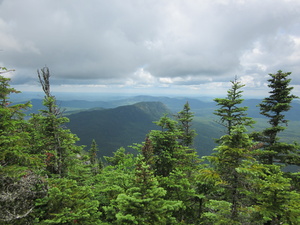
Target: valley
[[124, 121]]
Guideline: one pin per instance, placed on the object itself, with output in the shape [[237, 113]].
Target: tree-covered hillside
[[117, 127], [46, 178], [122, 126]]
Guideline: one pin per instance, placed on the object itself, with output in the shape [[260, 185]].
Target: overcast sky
[[150, 46]]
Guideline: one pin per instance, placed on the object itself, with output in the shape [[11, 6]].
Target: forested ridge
[[47, 179]]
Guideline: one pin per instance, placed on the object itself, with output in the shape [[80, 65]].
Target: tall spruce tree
[[169, 153], [114, 180], [274, 108], [144, 202], [230, 113], [50, 136], [70, 198], [166, 147], [185, 118], [95, 163], [174, 166], [231, 157]]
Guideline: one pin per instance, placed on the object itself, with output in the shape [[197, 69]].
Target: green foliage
[[113, 128], [19, 183], [49, 136], [275, 201], [95, 164], [230, 113], [143, 203], [274, 107], [113, 180], [218, 212], [67, 203], [232, 163], [45, 178], [14, 155], [279, 100], [120, 158], [166, 148], [185, 117], [172, 162]]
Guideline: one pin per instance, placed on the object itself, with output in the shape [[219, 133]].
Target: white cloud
[[250, 81], [144, 76], [166, 80], [150, 43]]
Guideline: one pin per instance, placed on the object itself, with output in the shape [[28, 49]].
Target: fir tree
[[230, 113], [144, 203], [274, 107], [174, 165], [276, 193], [67, 203], [168, 152], [185, 117], [96, 164], [50, 137], [231, 156], [275, 200], [20, 182], [114, 180]]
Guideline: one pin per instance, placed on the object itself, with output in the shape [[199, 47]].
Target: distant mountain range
[[126, 121], [174, 104]]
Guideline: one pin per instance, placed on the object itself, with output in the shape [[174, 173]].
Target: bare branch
[[44, 78]]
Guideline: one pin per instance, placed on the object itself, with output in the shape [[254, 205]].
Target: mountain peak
[[116, 127], [155, 109]]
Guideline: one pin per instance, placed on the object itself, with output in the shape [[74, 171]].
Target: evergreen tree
[[144, 203], [70, 198], [274, 107], [12, 133], [230, 113], [67, 203], [20, 182], [49, 136], [114, 180], [275, 200], [147, 152], [168, 152], [174, 165], [185, 117], [276, 195], [96, 164], [232, 155]]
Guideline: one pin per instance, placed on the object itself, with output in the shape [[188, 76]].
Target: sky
[[158, 47]]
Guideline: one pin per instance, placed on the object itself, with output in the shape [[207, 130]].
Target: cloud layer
[[144, 44]]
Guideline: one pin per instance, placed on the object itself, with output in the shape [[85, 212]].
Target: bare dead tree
[[17, 197], [53, 126], [44, 78], [4, 70]]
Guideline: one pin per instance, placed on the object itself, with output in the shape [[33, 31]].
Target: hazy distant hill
[[174, 104], [113, 128], [70, 105], [125, 121]]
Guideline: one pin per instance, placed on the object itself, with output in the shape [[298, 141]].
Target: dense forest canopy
[[47, 179]]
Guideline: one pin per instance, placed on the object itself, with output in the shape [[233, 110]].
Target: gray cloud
[[180, 42]]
